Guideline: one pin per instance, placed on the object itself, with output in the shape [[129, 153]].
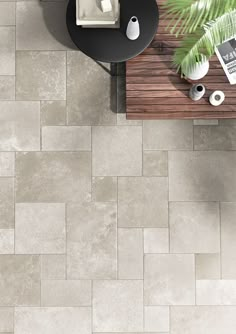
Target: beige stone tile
[[53, 176], [89, 100], [130, 253], [53, 266], [53, 320], [215, 138], [207, 266], [6, 319], [228, 235], [203, 319], [194, 227], [6, 241], [118, 306], [155, 163], [7, 87], [168, 135], [117, 151], [104, 189], [169, 279], [7, 164], [121, 120], [202, 176], [7, 50], [91, 241], [156, 240], [19, 126], [6, 203], [66, 138], [53, 113], [66, 293], [216, 292], [33, 237], [205, 122], [7, 13], [41, 26], [142, 202], [40, 75], [19, 280], [156, 318]]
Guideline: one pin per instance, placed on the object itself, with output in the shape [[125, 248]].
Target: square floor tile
[[53, 266], [7, 50], [155, 163], [53, 113], [142, 202], [53, 177], [40, 228], [104, 189], [117, 151], [41, 75], [208, 266], [156, 240], [156, 318], [91, 241], [194, 227], [169, 279], [118, 306]]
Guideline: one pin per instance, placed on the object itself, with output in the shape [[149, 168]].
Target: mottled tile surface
[[7, 50]]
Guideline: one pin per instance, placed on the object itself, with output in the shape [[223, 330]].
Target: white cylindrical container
[[217, 98], [133, 29], [197, 92], [200, 70]]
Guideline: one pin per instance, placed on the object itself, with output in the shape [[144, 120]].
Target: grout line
[[66, 226], [220, 221]]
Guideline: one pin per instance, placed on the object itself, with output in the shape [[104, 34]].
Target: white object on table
[[133, 29], [217, 98], [106, 6]]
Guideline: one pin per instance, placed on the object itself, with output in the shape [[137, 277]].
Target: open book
[[226, 53]]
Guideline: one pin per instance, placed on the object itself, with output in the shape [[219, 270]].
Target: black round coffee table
[[112, 45]]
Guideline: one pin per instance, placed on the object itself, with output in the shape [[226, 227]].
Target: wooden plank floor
[[155, 91]]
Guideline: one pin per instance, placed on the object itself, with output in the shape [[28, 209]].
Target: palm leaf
[[204, 41], [188, 15]]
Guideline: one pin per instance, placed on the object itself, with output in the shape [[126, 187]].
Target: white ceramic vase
[[200, 70], [133, 29]]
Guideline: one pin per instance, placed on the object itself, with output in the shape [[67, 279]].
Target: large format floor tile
[[202, 176], [40, 75], [117, 151], [91, 241], [118, 306], [53, 176]]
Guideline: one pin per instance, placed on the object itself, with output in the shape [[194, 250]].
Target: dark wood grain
[[155, 91]]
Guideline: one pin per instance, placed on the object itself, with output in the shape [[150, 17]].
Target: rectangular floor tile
[[7, 87], [203, 319], [118, 306], [168, 135], [169, 279], [66, 293], [117, 151], [7, 13], [142, 202], [216, 292], [53, 266], [53, 176], [19, 126], [89, 95], [6, 203], [19, 280], [228, 237], [33, 237], [91, 241], [6, 319], [202, 176], [194, 227], [6, 241], [7, 50], [7, 164], [53, 320], [40, 75], [215, 138], [66, 138], [41, 26], [130, 253]]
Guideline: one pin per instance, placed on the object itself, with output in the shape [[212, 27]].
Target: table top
[[155, 91], [109, 44]]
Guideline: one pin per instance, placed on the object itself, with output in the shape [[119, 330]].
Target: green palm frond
[[188, 15], [204, 41]]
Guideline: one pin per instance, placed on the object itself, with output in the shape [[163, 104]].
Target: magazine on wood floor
[[226, 53]]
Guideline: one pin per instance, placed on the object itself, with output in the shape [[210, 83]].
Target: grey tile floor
[[106, 225]]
